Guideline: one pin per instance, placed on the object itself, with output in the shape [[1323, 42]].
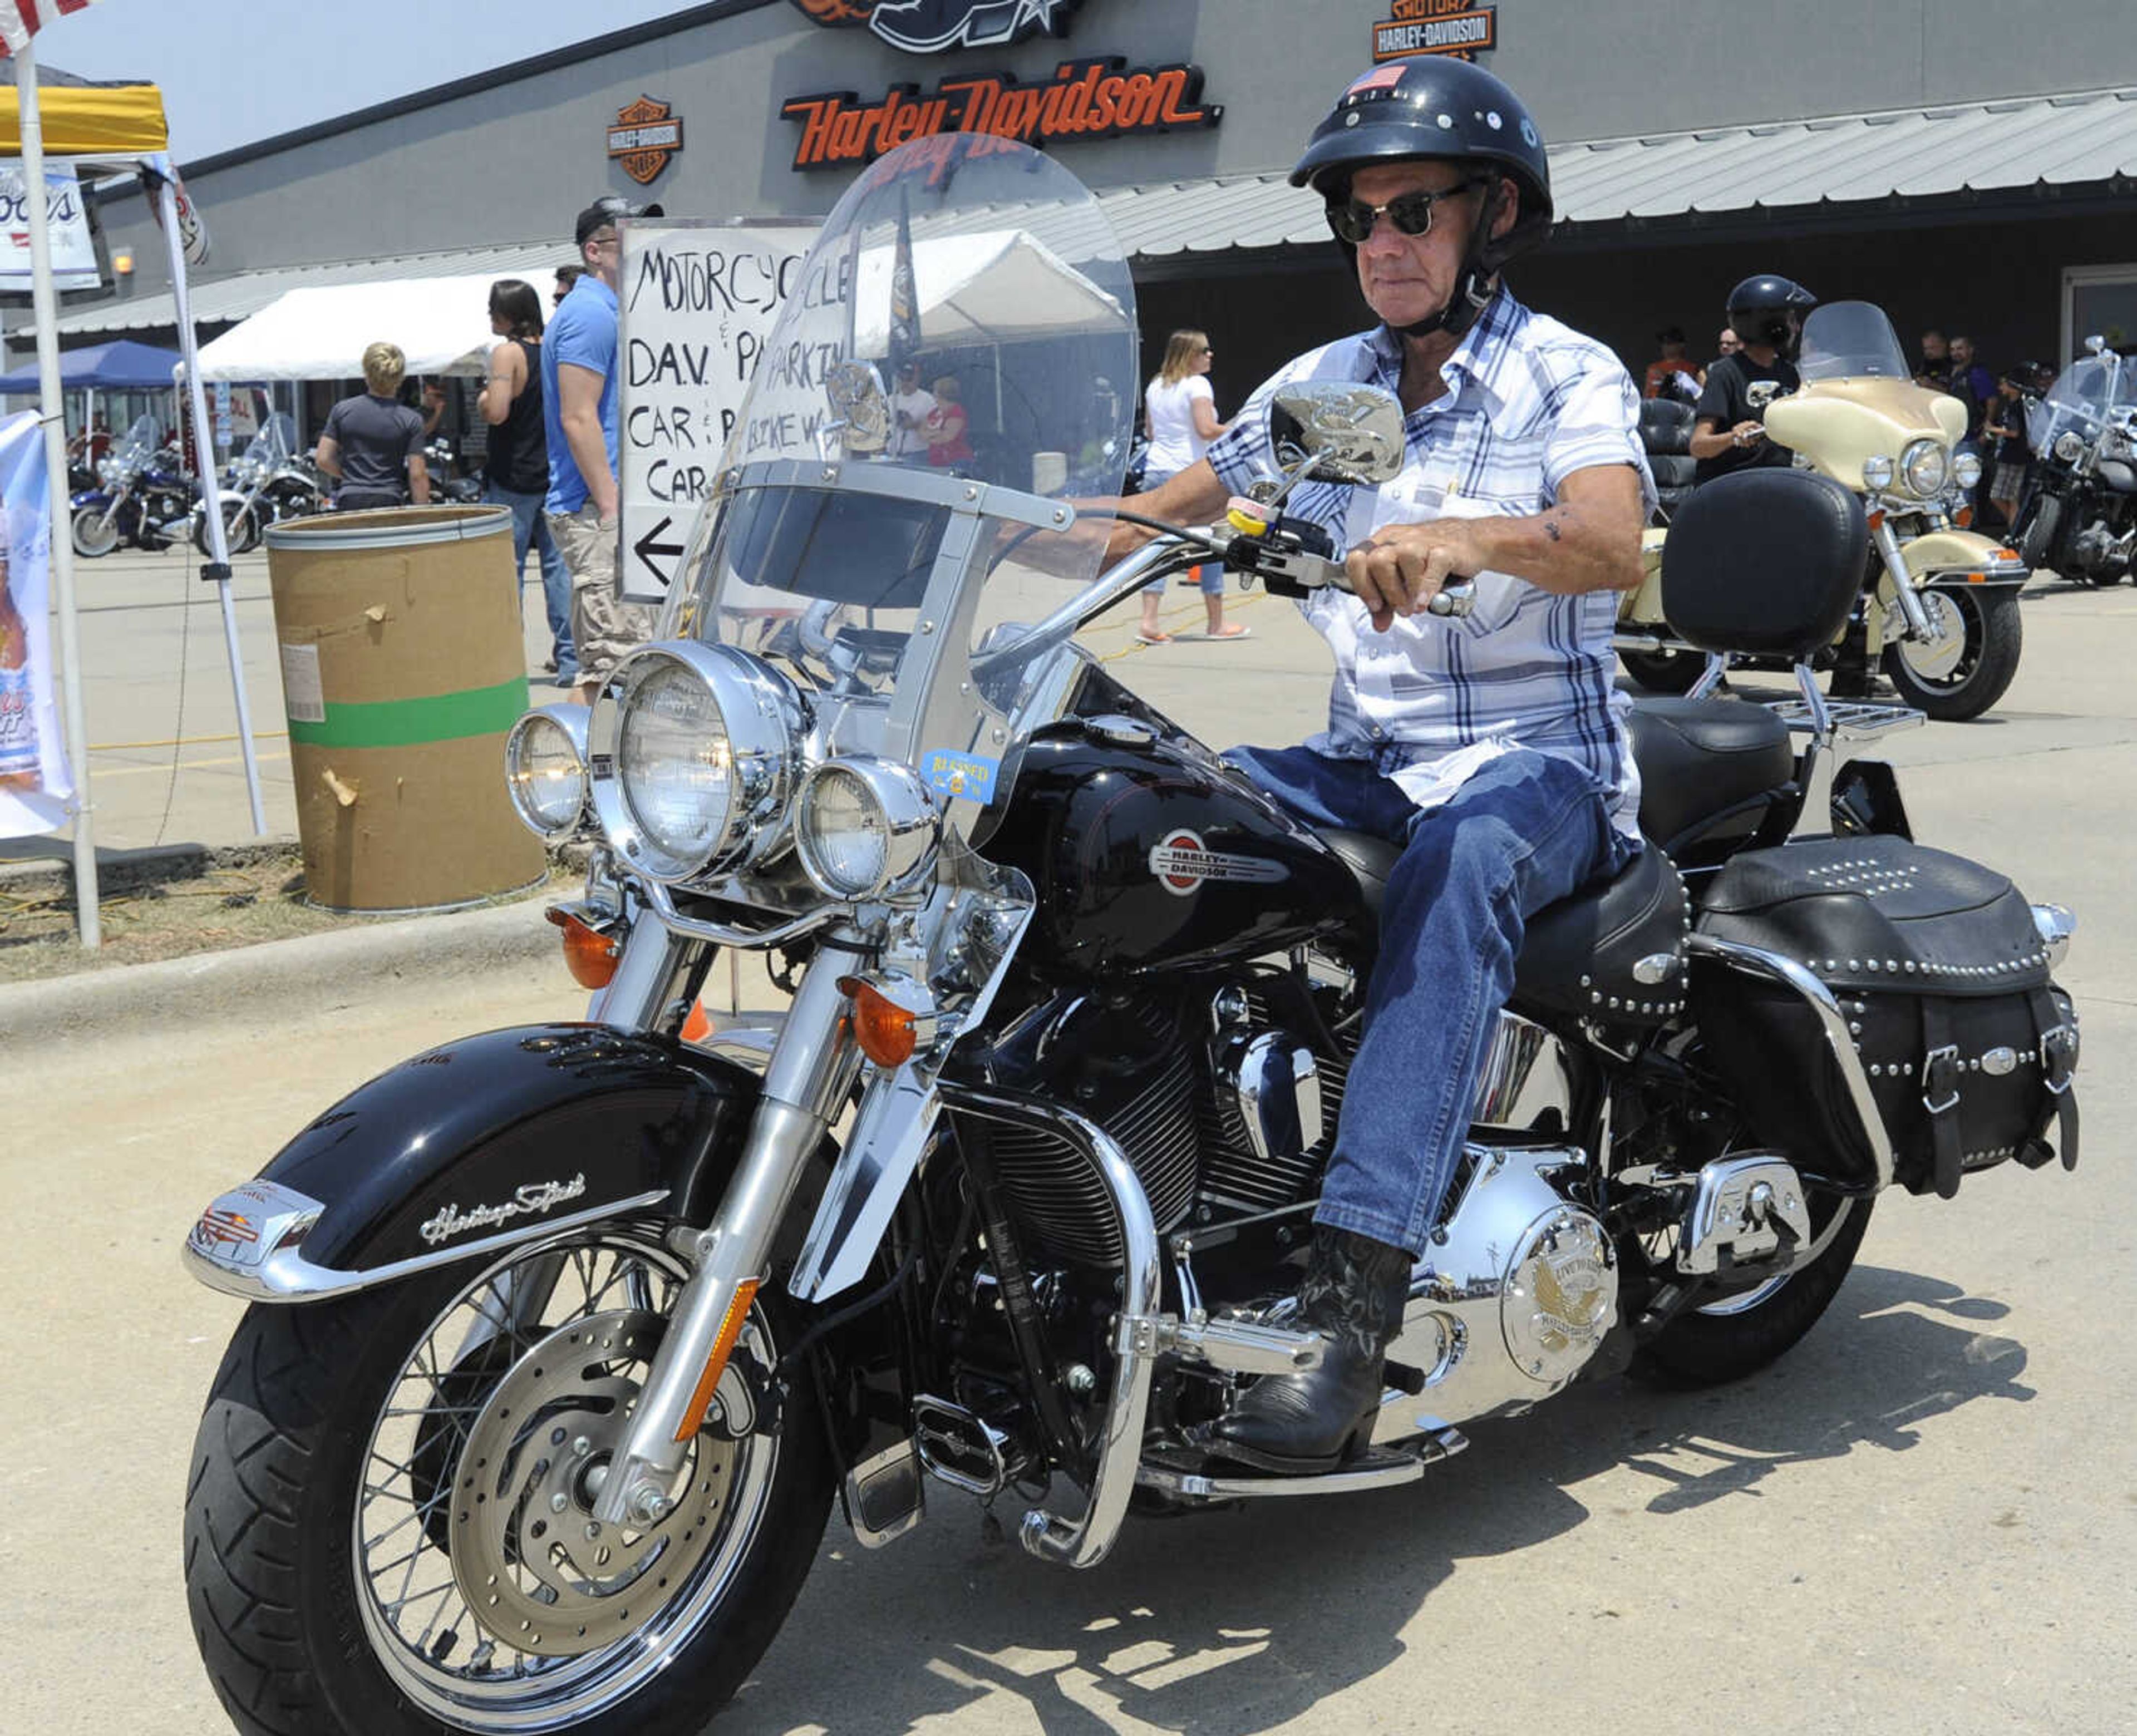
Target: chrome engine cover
[[1511, 1303]]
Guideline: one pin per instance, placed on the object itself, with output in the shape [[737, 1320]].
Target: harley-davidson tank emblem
[[646, 134], [530, 1201], [932, 27], [1182, 862]]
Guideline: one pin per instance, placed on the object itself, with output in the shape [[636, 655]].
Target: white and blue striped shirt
[[1432, 699]]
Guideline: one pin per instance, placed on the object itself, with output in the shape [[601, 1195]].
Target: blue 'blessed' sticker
[[962, 777]]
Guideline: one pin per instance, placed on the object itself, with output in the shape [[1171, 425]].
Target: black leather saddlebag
[[1937, 963]]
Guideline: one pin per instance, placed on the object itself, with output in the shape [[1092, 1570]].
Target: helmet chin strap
[[1473, 287]]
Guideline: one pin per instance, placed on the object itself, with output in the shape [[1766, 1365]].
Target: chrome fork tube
[[637, 995], [1911, 605], [812, 1070]]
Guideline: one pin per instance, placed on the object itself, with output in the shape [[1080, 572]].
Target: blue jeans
[[529, 525], [1526, 831]]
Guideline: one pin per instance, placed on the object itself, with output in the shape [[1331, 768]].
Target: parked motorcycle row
[[1938, 612], [565, 1341]]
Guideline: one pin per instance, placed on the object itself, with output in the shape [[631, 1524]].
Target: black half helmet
[[1770, 310], [1434, 106]]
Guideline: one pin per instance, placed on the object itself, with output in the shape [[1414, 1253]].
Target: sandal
[[1236, 629], [1159, 638]]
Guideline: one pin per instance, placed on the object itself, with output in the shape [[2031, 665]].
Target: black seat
[[1711, 770], [1577, 956], [1666, 426]]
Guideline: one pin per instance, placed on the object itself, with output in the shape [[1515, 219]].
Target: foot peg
[[1378, 1467], [1749, 1206], [961, 1449]]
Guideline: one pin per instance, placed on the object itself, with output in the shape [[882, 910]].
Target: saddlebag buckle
[[1941, 1071], [2058, 1056]]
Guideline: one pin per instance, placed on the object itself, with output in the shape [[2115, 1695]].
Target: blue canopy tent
[[124, 366]]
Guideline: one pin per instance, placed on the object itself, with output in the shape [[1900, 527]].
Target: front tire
[[1737, 1335], [385, 1511], [1953, 684], [240, 529], [93, 534]]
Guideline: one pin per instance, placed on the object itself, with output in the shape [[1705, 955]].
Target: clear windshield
[[1851, 340], [2088, 395], [142, 438], [966, 321], [273, 444]]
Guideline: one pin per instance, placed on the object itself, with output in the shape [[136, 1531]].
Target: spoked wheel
[[95, 533], [1739, 1334], [240, 529], [390, 1525], [1971, 665]]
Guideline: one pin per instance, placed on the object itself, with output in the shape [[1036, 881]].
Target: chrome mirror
[[2096, 343], [1338, 432], [860, 409]]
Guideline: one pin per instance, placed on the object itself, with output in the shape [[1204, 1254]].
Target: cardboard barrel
[[403, 668]]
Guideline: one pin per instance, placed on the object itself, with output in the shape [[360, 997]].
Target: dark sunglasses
[[1411, 213]]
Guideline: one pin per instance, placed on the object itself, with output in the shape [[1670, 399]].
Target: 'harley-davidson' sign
[[1457, 28], [932, 27], [1099, 98], [646, 135]]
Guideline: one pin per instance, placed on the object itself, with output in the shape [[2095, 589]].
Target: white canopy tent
[[993, 288], [321, 332]]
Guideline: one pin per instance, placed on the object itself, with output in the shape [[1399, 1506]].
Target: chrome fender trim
[[1138, 1329], [1756, 961]]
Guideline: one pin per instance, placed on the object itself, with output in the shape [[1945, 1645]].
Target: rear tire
[[319, 1613], [1665, 672], [1988, 658], [1738, 1336]]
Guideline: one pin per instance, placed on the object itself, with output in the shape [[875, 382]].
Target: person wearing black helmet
[[1766, 313], [1492, 749]]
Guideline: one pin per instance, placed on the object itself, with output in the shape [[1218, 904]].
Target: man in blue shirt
[[578, 416]]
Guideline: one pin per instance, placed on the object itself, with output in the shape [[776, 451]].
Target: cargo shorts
[[602, 627]]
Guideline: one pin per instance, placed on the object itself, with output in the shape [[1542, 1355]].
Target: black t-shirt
[[1738, 389], [376, 437]]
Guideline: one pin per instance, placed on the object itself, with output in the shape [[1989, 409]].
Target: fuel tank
[[1148, 854]]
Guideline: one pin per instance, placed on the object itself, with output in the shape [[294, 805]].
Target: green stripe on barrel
[[481, 711]]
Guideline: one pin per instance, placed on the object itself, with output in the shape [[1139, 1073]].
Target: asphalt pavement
[[1924, 1518]]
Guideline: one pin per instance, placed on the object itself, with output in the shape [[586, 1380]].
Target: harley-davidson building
[[1968, 168]]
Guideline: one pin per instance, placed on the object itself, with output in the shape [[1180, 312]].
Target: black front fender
[[474, 1146]]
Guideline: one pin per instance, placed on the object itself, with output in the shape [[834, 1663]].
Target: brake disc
[[536, 1567], [1938, 658]]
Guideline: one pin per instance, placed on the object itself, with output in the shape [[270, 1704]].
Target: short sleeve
[[582, 343], [1598, 423], [1716, 401], [1198, 386], [415, 441], [332, 431]]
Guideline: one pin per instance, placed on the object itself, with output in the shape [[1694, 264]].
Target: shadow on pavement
[[1228, 1623]]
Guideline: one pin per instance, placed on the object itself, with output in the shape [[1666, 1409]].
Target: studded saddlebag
[[1937, 963]]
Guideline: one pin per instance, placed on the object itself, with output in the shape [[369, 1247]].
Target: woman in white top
[[1180, 417]]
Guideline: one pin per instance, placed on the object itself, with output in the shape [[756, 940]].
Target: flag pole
[[51, 414]]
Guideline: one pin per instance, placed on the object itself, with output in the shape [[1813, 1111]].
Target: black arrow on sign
[[645, 548]]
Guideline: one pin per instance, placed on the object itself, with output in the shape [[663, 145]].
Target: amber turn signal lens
[[1963, 518], [883, 1029], [589, 956], [698, 1027]]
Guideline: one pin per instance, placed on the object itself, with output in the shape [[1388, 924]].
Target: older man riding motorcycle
[[1492, 747]]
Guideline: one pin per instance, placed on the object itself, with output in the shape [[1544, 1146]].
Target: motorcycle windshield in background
[[143, 437], [2091, 392], [985, 273], [1851, 340]]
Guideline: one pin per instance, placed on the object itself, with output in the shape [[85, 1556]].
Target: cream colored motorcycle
[[1940, 602]]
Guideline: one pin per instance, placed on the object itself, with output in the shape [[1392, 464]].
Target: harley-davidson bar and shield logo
[[933, 26], [646, 135]]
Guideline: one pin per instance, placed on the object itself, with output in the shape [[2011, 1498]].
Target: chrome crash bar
[[1138, 1331]]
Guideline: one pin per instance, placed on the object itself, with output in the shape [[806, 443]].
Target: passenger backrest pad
[[1765, 561]]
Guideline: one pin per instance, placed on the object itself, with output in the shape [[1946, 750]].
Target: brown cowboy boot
[[1302, 1424]]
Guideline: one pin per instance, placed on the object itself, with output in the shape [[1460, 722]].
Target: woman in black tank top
[[517, 466]]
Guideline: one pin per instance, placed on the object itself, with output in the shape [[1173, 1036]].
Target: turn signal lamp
[[589, 955], [1963, 518], [887, 1032]]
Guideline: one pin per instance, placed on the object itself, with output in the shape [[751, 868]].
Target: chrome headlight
[[1925, 466], [2069, 446], [1877, 472], [864, 828], [545, 769], [694, 749], [1966, 469]]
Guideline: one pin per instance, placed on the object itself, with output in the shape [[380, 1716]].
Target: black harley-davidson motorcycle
[[2079, 517], [565, 1338]]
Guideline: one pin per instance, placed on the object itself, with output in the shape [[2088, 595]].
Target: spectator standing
[[2005, 425], [1673, 375], [1936, 371], [372, 444], [566, 275], [579, 371], [1727, 344], [1971, 383], [1179, 417], [516, 474], [947, 425], [911, 404]]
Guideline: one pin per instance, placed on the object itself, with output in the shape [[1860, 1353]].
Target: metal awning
[[1827, 160]]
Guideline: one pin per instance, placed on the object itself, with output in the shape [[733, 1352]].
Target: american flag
[[22, 19]]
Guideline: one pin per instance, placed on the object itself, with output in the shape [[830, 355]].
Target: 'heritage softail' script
[[530, 1201]]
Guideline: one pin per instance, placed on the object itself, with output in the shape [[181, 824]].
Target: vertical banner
[[74, 252], [696, 300], [34, 782]]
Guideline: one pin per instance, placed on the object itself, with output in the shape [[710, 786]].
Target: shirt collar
[[1480, 359]]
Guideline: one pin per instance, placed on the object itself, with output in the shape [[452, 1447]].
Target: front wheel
[[389, 1526], [94, 531], [1737, 1336], [1970, 667], [240, 529], [2037, 538]]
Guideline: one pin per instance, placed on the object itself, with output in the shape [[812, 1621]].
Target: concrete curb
[[251, 980]]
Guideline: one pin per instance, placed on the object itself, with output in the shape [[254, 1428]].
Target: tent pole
[[52, 413], [218, 566]]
